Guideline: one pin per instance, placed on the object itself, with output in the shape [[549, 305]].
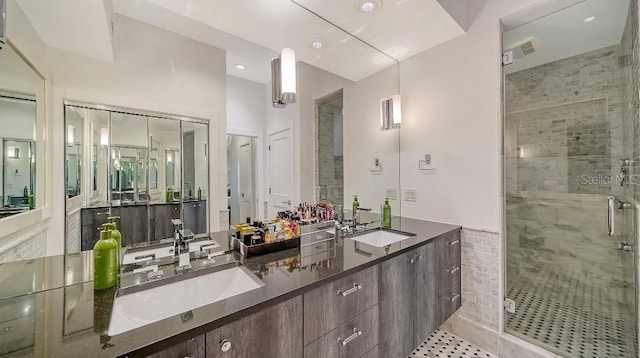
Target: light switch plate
[[390, 193], [410, 194]]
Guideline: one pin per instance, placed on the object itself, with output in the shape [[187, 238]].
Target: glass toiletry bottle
[[355, 207], [386, 214], [199, 193], [169, 194], [105, 262], [25, 191]]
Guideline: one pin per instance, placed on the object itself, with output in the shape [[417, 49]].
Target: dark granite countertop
[[67, 318]]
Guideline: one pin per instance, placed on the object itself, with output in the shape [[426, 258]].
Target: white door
[[245, 179], [281, 183]]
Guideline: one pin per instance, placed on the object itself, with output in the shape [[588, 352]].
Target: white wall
[[364, 141], [451, 110], [153, 70]]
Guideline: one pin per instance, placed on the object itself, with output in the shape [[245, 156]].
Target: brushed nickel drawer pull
[[454, 242], [356, 287], [355, 335], [454, 269], [455, 297]]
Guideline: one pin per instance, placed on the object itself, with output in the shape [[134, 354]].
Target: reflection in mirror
[[129, 179], [195, 138], [18, 153], [241, 177], [74, 118], [21, 117]]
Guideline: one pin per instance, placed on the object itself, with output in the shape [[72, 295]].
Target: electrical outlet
[[410, 194], [391, 193], [510, 305]]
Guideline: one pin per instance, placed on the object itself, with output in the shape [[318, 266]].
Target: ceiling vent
[[523, 48]]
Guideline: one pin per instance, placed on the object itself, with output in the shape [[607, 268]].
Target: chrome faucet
[[181, 239]]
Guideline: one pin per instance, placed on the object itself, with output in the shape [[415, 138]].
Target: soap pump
[[105, 262], [386, 214], [116, 235], [355, 207]]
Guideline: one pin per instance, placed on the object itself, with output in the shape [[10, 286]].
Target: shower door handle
[[611, 205]]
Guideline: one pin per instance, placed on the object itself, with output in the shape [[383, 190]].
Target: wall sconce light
[[169, 157], [71, 135], [283, 78], [13, 153], [104, 136], [390, 112]]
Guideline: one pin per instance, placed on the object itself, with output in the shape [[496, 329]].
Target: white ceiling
[[80, 26], [576, 36], [252, 32]]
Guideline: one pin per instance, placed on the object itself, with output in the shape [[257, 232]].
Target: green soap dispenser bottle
[[31, 201], [169, 194], [105, 262], [355, 207], [386, 214], [199, 193]]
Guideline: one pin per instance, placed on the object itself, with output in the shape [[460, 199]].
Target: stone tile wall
[[73, 232], [329, 158], [564, 120], [481, 273], [25, 249]]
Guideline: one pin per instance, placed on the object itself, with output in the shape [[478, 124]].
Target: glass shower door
[[572, 136]]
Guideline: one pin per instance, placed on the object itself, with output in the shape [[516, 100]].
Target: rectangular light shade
[[390, 112], [71, 135], [288, 73], [104, 136]]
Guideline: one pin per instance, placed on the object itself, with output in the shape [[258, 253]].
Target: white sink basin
[[141, 308], [380, 238], [163, 251]]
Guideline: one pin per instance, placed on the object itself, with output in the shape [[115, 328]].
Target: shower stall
[[571, 179]]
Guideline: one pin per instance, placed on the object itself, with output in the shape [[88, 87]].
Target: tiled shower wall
[[329, 158], [564, 124]]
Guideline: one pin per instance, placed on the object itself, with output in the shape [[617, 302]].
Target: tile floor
[[572, 316], [442, 344]]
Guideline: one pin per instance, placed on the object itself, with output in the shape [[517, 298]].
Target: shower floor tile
[[571, 316], [442, 344]]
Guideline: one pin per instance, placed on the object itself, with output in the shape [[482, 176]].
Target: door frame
[[260, 170]]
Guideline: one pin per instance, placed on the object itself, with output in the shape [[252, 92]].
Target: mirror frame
[[13, 227]]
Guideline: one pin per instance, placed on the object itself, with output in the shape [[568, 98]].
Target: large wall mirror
[[21, 133], [143, 168]]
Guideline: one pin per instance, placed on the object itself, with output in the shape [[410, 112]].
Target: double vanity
[[377, 293]]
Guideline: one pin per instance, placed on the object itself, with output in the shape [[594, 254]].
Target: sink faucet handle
[[177, 224]]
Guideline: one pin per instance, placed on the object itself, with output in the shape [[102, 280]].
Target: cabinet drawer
[[449, 275], [193, 348], [449, 303], [329, 306], [372, 353], [448, 247], [352, 339]]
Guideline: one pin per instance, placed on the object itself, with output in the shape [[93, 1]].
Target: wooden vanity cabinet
[[193, 348], [273, 332], [408, 300]]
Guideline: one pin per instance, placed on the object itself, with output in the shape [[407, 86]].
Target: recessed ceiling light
[[589, 19], [240, 66], [369, 6], [317, 44]]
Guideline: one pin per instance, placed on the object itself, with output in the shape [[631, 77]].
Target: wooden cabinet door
[[396, 278], [201, 217], [163, 216], [425, 316], [190, 216], [273, 332], [193, 348]]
